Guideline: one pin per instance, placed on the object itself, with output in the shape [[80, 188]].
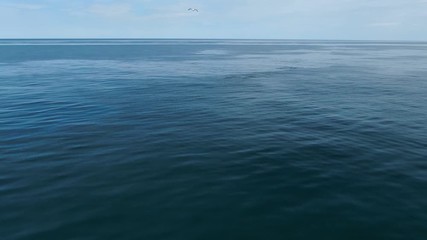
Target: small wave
[[213, 52]]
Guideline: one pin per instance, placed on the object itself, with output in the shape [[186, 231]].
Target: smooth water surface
[[213, 139]]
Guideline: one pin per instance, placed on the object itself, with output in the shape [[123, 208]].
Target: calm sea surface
[[213, 139]]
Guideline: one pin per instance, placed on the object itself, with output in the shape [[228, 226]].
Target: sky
[[254, 19]]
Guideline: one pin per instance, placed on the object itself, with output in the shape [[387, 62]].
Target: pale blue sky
[[283, 19]]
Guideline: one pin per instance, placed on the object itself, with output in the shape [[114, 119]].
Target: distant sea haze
[[213, 139]]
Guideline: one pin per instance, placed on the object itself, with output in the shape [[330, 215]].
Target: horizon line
[[258, 39]]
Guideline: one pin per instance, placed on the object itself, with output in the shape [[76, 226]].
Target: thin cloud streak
[[22, 6]]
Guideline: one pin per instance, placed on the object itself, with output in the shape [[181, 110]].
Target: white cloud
[[110, 10], [23, 6], [385, 24]]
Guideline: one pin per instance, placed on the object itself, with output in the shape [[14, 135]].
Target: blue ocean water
[[213, 139]]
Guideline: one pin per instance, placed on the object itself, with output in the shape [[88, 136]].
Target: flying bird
[[193, 9]]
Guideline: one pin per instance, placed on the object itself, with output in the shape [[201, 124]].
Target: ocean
[[212, 139]]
